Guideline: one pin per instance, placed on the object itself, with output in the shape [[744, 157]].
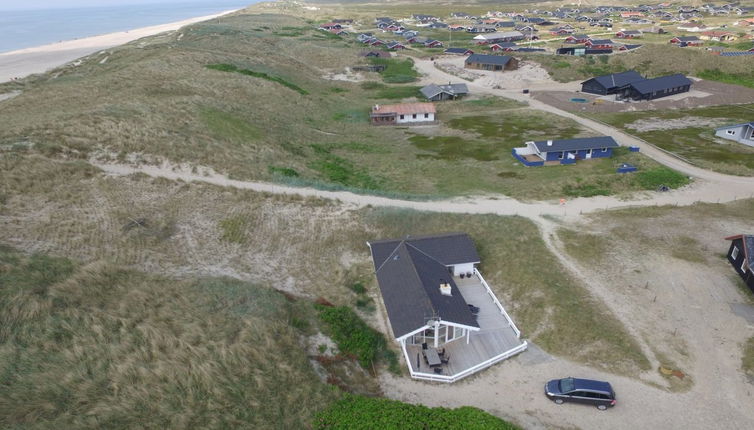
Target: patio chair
[[468, 274], [438, 370], [441, 352], [445, 360], [424, 345]]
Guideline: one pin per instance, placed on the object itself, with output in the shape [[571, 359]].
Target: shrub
[[654, 178], [283, 171], [354, 337], [359, 412]]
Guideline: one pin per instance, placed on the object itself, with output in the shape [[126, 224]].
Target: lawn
[[697, 144]]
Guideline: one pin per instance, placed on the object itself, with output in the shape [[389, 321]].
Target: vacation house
[[441, 311], [565, 151], [741, 256], [741, 133], [436, 93], [610, 84], [403, 114], [491, 62]]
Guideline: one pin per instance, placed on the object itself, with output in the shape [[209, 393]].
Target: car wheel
[[601, 407], [559, 401]]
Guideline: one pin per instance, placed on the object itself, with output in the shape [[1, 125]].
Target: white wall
[[408, 118], [463, 268]]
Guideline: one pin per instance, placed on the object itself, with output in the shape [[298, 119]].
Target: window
[[730, 132], [413, 116], [403, 117], [560, 156], [588, 152], [604, 149], [426, 115], [734, 253]]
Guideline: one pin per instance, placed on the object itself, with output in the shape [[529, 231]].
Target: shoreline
[[21, 63]]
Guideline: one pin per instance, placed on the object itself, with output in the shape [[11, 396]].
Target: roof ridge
[[390, 255]]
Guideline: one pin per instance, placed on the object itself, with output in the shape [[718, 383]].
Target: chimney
[[445, 288], [376, 107], [549, 143]]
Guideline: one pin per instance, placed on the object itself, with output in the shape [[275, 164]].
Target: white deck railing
[[483, 365], [471, 370], [497, 302]]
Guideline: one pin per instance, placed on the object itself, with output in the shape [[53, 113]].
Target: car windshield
[[566, 385]]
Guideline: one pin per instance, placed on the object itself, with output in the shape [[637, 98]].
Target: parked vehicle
[[587, 391]]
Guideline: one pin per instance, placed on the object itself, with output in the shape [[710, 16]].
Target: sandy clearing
[[23, 62]]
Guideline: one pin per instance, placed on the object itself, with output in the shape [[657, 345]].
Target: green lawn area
[[697, 144]]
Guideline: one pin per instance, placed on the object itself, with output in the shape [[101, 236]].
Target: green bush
[[654, 178], [359, 412], [233, 69], [283, 171], [354, 337]]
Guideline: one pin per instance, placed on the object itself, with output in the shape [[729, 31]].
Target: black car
[[597, 393]]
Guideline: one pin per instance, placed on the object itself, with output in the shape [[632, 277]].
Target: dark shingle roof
[[432, 90], [647, 86], [409, 273], [576, 144], [617, 80], [602, 42], [500, 60]]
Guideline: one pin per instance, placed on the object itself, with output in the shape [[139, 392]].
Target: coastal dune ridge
[[39, 59]]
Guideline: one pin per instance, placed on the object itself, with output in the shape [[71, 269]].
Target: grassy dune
[[311, 248], [97, 346], [249, 96]]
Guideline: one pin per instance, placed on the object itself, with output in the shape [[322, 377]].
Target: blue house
[[565, 151]]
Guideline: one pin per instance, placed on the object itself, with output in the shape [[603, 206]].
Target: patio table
[[433, 358]]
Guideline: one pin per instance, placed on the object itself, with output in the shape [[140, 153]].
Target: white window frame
[[561, 155], [604, 149], [731, 132], [743, 267], [403, 116], [414, 116], [426, 115], [734, 253]]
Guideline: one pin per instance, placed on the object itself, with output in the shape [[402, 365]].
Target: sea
[[21, 29]]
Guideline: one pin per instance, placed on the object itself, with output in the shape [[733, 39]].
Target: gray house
[[741, 133], [442, 312], [438, 93]]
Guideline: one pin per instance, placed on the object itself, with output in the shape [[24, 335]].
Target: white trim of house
[[734, 253], [481, 366]]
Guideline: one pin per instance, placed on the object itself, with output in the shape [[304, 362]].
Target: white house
[[403, 113], [441, 311], [741, 133]]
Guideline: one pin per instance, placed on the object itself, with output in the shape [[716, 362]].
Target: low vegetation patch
[[747, 361], [652, 179], [396, 71], [261, 75], [359, 412], [354, 337], [743, 79]]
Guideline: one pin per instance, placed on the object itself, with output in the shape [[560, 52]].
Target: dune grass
[[99, 346], [747, 361], [68, 209]]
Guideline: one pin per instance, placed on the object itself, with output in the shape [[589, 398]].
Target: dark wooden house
[[491, 62], [650, 89], [741, 257], [610, 84]]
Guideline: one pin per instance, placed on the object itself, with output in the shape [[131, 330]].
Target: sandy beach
[[24, 62]]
